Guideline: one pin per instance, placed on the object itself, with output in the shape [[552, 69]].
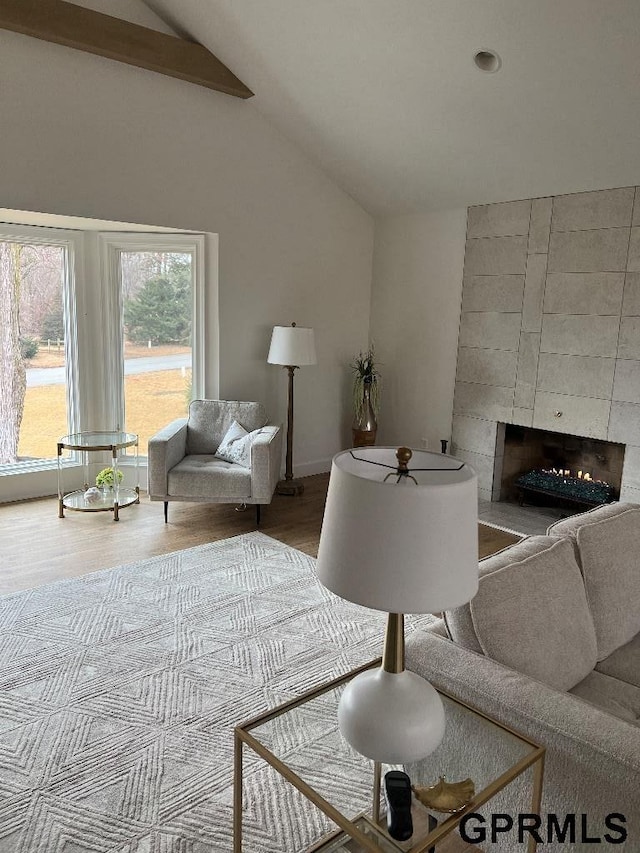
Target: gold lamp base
[[291, 487]]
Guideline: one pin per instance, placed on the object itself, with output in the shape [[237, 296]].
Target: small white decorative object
[[92, 495]]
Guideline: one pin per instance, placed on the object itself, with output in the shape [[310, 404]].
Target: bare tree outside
[[30, 291], [13, 377]]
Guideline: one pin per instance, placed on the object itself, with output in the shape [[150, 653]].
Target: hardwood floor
[[37, 547]]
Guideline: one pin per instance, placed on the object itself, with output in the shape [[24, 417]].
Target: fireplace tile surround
[[550, 327]]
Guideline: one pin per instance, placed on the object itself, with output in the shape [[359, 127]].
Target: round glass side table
[[92, 498]]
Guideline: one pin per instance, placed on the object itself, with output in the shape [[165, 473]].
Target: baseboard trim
[[307, 469]]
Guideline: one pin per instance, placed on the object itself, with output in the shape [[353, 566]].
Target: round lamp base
[[395, 718]]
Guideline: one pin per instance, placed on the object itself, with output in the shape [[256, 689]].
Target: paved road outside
[[149, 364]]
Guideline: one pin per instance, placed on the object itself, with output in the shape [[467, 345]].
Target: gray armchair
[[183, 465]]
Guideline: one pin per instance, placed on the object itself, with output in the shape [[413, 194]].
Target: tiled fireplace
[[550, 328]]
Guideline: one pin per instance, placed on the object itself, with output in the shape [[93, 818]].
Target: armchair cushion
[[199, 477], [209, 422]]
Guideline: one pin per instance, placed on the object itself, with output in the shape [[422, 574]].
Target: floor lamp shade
[[292, 346], [399, 535]]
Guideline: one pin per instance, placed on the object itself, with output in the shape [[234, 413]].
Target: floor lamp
[[291, 347], [400, 535]]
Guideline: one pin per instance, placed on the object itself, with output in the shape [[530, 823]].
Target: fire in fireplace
[[580, 487]]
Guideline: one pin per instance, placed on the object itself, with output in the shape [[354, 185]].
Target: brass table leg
[[237, 794]]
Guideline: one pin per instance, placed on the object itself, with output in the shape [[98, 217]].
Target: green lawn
[[153, 400]]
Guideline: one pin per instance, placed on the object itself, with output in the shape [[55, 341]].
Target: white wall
[[86, 136], [415, 314]]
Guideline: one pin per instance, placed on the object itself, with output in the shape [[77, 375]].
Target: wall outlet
[[424, 442]]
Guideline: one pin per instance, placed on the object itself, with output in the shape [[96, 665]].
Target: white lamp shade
[[396, 546], [292, 346]]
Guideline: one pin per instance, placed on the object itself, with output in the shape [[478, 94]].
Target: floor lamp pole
[[290, 486]]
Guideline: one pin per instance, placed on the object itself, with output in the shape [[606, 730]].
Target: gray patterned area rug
[[119, 692]]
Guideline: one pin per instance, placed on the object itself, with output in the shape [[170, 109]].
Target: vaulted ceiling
[[386, 96]]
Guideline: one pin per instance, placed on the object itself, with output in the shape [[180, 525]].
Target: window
[[37, 345], [78, 348], [159, 287]]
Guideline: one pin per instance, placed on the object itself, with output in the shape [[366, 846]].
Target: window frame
[[72, 271], [111, 245]]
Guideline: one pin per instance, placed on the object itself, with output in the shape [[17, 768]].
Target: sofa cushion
[[209, 420], [608, 552], [570, 526], [624, 663], [532, 616], [458, 620], [618, 698]]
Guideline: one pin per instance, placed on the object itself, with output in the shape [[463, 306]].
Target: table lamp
[[292, 347], [399, 534]]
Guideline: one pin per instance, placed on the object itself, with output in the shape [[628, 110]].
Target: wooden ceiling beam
[[94, 32]]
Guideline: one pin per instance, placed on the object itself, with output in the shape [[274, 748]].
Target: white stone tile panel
[[534, 286], [489, 330], [483, 401], [584, 293], [629, 345], [495, 256], [636, 208], [540, 226], [602, 250], [481, 464], [578, 375], [626, 385], [574, 415], [485, 494], [476, 434], [493, 293], [504, 219], [629, 494], [599, 209], [582, 334], [633, 263], [487, 366], [631, 468], [522, 417], [624, 423], [631, 301], [527, 369]]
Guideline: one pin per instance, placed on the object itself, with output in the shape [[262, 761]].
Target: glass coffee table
[[301, 742]]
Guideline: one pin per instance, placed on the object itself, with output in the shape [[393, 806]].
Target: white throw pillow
[[235, 447]]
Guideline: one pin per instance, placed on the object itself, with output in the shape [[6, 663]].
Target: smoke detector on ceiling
[[487, 61]]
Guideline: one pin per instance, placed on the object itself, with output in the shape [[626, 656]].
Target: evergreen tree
[[161, 312]]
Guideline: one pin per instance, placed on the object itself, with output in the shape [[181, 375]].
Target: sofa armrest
[[166, 448], [266, 459], [592, 763]]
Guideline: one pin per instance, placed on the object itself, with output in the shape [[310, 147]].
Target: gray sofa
[[550, 646]]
